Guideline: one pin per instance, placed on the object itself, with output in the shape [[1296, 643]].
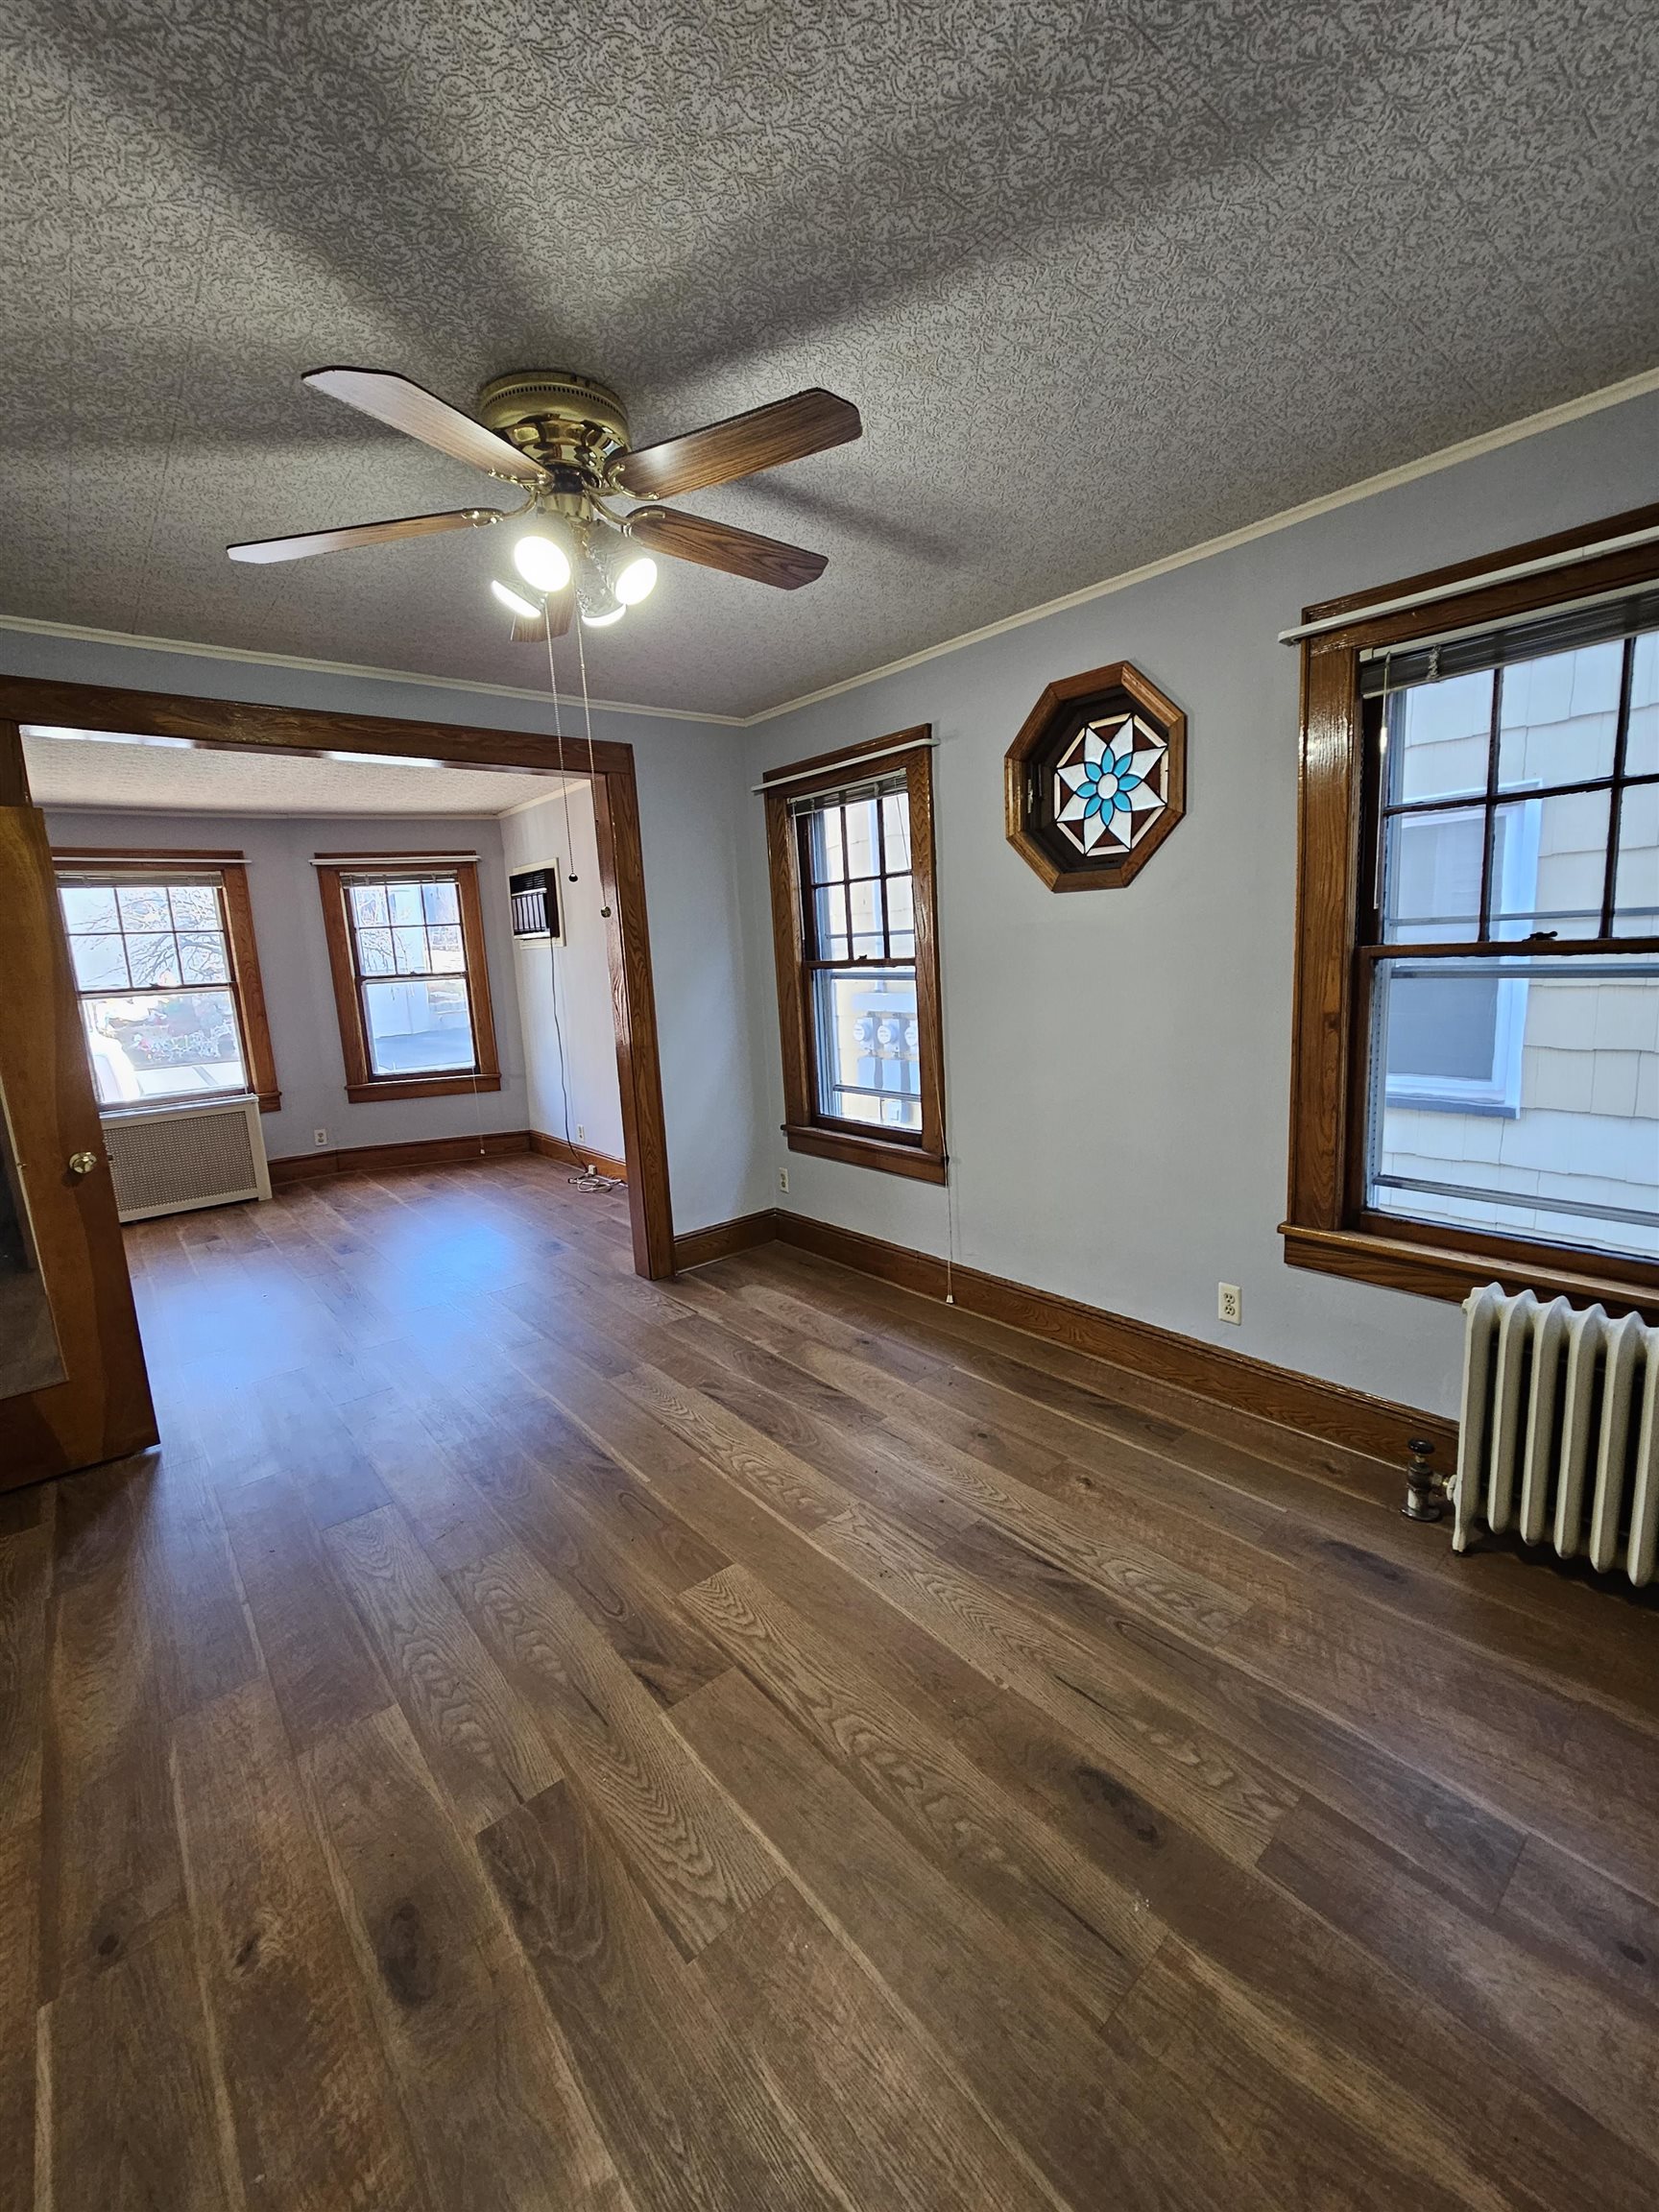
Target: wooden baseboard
[[1254, 1389], [577, 1155], [420, 1152], [698, 1246]]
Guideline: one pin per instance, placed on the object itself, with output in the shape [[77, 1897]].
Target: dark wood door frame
[[235, 725]]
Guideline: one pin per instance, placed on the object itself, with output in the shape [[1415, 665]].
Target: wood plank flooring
[[534, 1739]]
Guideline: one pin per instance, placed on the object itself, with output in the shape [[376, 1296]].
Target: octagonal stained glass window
[[1097, 778], [1109, 784]]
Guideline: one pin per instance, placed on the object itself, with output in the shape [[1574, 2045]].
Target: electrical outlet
[[320, 1137], [1229, 1302], [783, 1178], [581, 1133]]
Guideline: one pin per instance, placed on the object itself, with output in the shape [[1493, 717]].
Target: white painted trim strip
[[388, 859], [834, 767], [1387, 480], [30, 626], [1541, 566]]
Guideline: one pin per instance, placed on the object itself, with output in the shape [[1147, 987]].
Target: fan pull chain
[[559, 735], [587, 712]]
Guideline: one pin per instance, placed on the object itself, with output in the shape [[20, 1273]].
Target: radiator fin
[[1559, 1436], [168, 1163]]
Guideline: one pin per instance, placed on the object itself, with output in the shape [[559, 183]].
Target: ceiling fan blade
[[301, 548], [421, 414], [721, 545], [553, 621], [786, 430]]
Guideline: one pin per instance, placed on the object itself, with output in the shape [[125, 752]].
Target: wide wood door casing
[[101, 1409]]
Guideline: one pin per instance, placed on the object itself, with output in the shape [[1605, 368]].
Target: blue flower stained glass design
[[1109, 784]]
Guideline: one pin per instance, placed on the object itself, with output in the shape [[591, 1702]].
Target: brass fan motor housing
[[558, 418]]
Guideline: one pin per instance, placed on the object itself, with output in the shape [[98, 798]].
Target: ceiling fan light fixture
[[604, 619], [541, 560], [515, 602], [636, 580]]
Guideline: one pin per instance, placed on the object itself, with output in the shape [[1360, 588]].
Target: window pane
[[1557, 716], [866, 1047], [823, 845], [417, 1028], [374, 951], [144, 906], [861, 816], [100, 963], [1438, 738], [829, 906], [153, 956], [405, 902], [182, 1045], [202, 957], [89, 907], [1431, 877], [1641, 744], [1636, 886], [195, 906], [901, 910], [865, 901], [1520, 1096], [369, 905], [895, 828], [1553, 870], [446, 947], [441, 902], [409, 948]]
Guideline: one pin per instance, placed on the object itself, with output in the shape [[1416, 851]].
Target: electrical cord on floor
[[589, 1178]]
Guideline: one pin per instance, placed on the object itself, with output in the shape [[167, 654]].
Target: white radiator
[[1559, 1439], [181, 1157]]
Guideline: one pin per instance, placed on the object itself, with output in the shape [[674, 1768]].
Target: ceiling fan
[[563, 439]]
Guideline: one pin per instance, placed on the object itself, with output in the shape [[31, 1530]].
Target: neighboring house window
[[411, 984], [1497, 956], [852, 860], [167, 973]]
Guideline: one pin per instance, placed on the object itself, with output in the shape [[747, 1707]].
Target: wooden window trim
[[922, 1156], [246, 982], [1327, 1227], [362, 1084]]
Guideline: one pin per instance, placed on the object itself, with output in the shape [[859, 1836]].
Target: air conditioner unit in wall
[[176, 1158]]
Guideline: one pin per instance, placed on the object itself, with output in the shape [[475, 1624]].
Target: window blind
[[1389, 669]]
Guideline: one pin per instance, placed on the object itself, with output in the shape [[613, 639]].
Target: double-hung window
[[851, 850], [1498, 964], [167, 976], [411, 984]]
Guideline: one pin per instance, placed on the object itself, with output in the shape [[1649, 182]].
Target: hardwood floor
[[538, 1739]]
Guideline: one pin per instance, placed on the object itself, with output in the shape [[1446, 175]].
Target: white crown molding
[[1408, 472], [1390, 479], [31, 626]]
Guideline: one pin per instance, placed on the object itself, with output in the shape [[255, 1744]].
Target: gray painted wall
[[693, 824], [569, 1061], [1118, 1063], [294, 962]]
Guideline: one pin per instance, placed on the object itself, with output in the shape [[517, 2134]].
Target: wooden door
[[73, 1389]]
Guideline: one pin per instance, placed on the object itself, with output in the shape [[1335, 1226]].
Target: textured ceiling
[[1105, 280], [195, 780]]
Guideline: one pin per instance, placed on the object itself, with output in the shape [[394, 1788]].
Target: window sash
[[366, 980], [87, 878]]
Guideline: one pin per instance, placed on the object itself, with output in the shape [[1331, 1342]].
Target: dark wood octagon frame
[[1022, 796]]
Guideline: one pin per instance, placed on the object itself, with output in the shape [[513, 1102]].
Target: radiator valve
[[1424, 1485]]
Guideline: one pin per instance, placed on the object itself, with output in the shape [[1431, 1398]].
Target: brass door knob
[[83, 1163]]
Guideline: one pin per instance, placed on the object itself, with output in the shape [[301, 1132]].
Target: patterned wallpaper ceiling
[[1105, 280]]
